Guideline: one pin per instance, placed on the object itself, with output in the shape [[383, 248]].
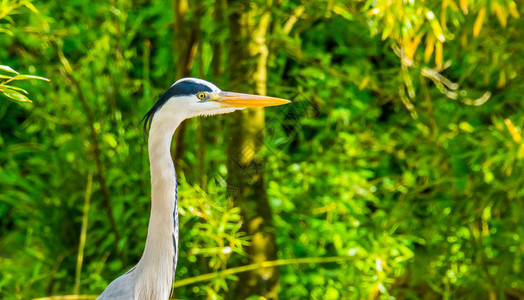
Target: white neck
[[156, 268]]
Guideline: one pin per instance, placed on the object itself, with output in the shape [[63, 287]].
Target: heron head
[[191, 97]]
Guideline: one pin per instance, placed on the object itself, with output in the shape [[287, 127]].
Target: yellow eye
[[201, 96]]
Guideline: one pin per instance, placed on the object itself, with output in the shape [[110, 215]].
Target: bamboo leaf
[[513, 11], [387, 31], [438, 55], [435, 25], [14, 88], [15, 96], [464, 6], [520, 153], [7, 69], [31, 7], [501, 14], [430, 46], [8, 32], [363, 83], [479, 21], [515, 134], [502, 79], [464, 40], [410, 46], [443, 18], [24, 77], [453, 6]]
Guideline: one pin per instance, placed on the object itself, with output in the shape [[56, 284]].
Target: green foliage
[[9, 91], [402, 151]]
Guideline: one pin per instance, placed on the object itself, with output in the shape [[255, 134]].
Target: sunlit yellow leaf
[[479, 22], [466, 127], [374, 11], [513, 11], [430, 15], [501, 15], [378, 265], [43, 23], [464, 6], [430, 46], [363, 83], [520, 153], [325, 209], [438, 55], [388, 27], [435, 25], [410, 46], [386, 32], [31, 7], [453, 6], [337, 241], [445, 4], [406, 46], [390, 19], [515, 134]]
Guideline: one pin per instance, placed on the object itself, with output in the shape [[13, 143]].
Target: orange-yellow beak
[[229, 99]]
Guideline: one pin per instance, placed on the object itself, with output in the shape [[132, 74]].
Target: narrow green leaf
[[5, 77], [15, 96], [8, 32], [32, 7], [7, 69], [13, 88], [24, 77]]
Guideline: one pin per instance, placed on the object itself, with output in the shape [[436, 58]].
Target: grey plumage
[[122, 288], [153, 276]]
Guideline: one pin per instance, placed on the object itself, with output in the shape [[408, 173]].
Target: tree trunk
[[187, 36], [248, 65]]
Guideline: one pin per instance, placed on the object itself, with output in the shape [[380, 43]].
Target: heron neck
[[158, 263]]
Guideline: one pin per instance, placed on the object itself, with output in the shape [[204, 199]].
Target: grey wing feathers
[[122, 288]]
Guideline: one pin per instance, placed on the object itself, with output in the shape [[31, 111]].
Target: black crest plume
[[181, 88]]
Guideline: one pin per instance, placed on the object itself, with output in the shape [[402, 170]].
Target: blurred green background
[[396, 173]]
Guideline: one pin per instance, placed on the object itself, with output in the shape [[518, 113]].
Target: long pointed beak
[[229, 99]]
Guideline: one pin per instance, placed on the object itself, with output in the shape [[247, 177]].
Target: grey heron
[[153, 276]]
